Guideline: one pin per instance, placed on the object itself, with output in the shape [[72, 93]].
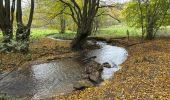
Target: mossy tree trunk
[[23, 31]]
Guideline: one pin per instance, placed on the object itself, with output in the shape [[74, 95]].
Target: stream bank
[[56, 77], [144, 76]]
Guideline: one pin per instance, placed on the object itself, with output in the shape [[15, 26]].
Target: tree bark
[[79, 41], [83, 18], [23, 32], [62, 24], [82, 34], [95, 26], [149, 32], [150, 28], [5, 23], [20, 26]]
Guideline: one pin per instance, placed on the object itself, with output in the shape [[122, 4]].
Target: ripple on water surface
[[45, 80]]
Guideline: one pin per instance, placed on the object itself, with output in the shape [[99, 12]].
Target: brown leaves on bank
[[42, 50], [144, 76]]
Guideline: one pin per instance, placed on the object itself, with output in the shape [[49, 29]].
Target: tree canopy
[[148, 14]]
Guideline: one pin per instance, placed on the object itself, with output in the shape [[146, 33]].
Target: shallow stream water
[[57, 77]]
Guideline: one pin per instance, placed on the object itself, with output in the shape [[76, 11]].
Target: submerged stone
[[93, 66], [95, 77], [82, 84], [106, 64]]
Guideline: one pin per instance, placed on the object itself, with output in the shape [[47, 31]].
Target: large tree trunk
[[23, 32], [81, 37], [83, 17], [149, 32], [79, 40], [22, 37]]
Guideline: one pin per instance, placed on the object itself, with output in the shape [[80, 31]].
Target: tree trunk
[[83, 17], [7, 34], [79, 40], [62, 25], [82, 34], [20, 26], [96, 26], [23, 32], [149, 32], [5, 23]]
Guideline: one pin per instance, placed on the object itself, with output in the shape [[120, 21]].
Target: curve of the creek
[[57, 77]]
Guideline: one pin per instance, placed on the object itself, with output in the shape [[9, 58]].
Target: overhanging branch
[[107, 6], [104, 14]]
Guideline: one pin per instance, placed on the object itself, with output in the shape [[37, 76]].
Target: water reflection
[[111, 54], [44, 80]]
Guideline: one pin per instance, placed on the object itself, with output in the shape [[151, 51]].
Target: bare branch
[[71, 9], [103, 14], [107, 6], [31, 14]]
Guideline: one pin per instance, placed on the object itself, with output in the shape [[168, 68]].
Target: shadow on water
[[48, 79]]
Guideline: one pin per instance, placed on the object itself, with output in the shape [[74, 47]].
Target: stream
[[57, 77]]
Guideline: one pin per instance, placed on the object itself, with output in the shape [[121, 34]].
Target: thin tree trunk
[[2, 16], [20, 26], [30, 21], [95, 26], [6, 27], [142, 19], [62, 24]]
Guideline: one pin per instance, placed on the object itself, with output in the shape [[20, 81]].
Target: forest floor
[[145, 74], [41, 50]]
